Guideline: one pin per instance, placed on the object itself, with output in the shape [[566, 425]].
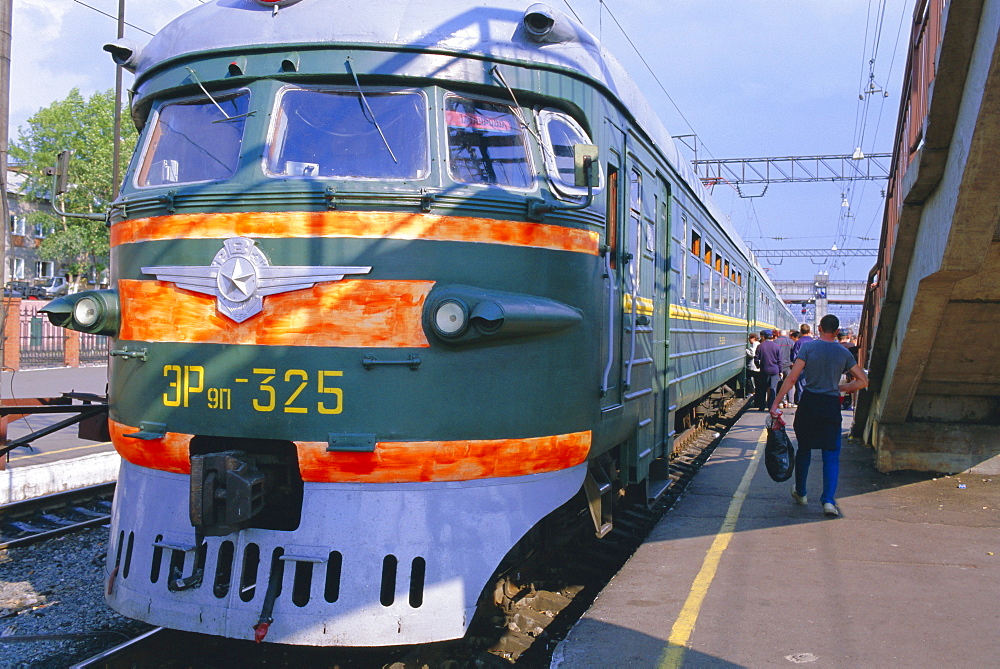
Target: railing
[[32, 342], [94, 349], [41, 343]]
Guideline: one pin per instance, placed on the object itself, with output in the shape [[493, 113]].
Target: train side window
[[194, 140], [719, 290], [706, 286], [486, 144], [677, 256], [559, 133], [693, 270], [612, 222], [333, 133]]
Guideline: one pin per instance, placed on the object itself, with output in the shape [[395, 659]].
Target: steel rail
[[27, 508], [107, 658]]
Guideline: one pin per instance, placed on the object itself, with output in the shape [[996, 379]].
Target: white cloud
[[56, 46]]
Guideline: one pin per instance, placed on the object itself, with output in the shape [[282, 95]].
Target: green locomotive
[[391, 285]]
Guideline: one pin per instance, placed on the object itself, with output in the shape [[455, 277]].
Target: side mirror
[[584, 166]]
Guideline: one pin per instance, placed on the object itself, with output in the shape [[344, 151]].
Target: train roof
[[485, 28]]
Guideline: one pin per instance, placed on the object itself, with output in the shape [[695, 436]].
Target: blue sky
[[751, 78]]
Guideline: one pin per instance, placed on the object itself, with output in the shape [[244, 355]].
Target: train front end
[[349, 371]]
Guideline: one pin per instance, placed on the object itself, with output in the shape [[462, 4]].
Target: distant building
[[23, 239]]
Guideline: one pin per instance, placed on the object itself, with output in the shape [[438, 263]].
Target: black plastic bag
[[779, 454]]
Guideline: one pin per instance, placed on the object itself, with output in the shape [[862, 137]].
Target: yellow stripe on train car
[[643, 305], [689, 314]]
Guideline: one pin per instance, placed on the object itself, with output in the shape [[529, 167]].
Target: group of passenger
[[815, 375]]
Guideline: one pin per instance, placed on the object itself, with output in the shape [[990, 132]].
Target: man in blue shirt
[[817, 419]]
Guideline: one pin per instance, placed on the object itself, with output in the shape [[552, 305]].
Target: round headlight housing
[[451, 318], [87, 311]]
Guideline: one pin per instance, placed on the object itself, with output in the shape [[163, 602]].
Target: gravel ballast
[[52, 609]]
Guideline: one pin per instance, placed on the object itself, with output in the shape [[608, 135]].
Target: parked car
[[15, 289], [23, 289], [54, 287]]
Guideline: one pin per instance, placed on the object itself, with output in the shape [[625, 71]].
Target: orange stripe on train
[[391, 461], [351, 313], [169, 453], [356, 224], [403, 461]]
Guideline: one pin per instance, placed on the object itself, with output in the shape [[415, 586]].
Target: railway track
[[533, 606], [42, 518]]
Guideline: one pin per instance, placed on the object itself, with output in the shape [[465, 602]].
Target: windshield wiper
[[370, 112], [194, 75]]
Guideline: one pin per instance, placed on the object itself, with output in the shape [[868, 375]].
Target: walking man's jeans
[[831, 471]]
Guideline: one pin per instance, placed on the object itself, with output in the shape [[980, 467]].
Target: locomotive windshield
[[327, 133], [486, 144], [196, 140]]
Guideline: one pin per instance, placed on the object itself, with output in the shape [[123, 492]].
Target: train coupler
[[227, 490]]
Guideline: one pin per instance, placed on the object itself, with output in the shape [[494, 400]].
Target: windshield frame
[[142, 152], [526, 134], [276, 116], [545, 116]]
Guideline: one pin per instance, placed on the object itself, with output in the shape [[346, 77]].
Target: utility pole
[[6, 13], [116, 159]]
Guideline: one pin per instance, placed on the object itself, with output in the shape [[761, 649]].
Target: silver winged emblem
[[240, 276]]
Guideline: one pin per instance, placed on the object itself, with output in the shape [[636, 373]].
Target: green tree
[[85, 126]]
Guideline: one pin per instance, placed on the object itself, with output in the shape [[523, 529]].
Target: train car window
[[635, 191], [706, 286], [559, 133], [486, 144], [693, 265], [334, 134], [708, 255], [717, 291], [612, 222], [193, 141], [677, 247], [694, 279]]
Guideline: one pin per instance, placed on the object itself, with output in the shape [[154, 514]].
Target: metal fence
[[44, 345], [93, 349]]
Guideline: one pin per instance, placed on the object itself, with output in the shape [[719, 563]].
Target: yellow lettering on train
[[302, 374], [325, 390], [175, 384], [268, 404]]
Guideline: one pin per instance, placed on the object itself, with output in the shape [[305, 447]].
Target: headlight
[[92, 311], [86, 312], [451, 318]]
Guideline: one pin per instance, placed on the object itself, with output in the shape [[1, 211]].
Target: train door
[[639, 253], [668, 271], [611, 381]]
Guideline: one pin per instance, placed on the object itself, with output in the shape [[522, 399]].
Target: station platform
[[59, 461], [737, 574]]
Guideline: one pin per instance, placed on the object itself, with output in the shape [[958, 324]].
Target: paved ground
[[907, 577]]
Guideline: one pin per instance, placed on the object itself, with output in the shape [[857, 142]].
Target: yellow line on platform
[[64, 450], [680, 634]]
